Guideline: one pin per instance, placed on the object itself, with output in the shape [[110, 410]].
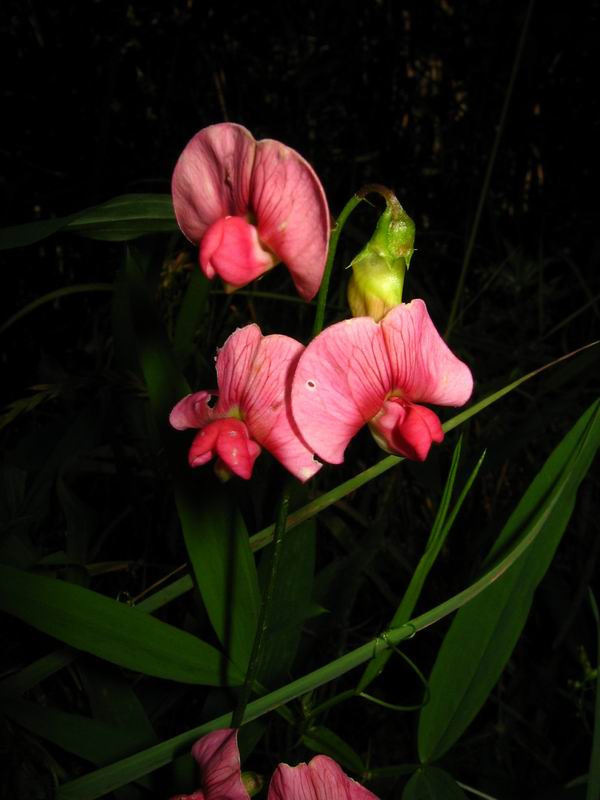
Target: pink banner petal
[[265, 405], [340, 383], [234, 365], [291, 212], [212, 177], [423, 368]]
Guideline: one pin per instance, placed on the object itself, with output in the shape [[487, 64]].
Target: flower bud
[[375, 286], [253, 782]]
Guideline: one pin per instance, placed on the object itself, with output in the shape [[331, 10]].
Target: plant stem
[[333, 242], [261, 628]]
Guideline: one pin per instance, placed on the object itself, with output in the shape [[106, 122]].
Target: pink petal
[[231, 250], [340, 383], [406, 430], [228, 439], [423, 367], [234, 364], [265, 405], [321, 779], [219, 759], [192, 411], [291, 211], [212, 177]]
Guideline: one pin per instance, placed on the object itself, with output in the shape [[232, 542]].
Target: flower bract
[[252, 410], [249, 205], [359, 371]]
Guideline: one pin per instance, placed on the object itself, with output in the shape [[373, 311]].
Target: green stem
[[333, 242], [108, 778], [261, 628], [488, 172]]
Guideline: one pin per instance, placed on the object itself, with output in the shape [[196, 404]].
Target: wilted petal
[[212, 177], [405, 429], [340, 383], [291, 212], [219, 759], [321, 779], [230, 249], [192, 411], [423, 368], [229, 439], [234, 365], [266, 409]]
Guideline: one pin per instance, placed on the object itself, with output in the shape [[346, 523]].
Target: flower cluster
[[218, 757], [248, 205]]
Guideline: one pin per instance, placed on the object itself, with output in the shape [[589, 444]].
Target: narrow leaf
[[484, 633], [111, 630], [119, 219]]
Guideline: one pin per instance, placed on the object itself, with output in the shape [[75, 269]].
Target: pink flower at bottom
[[219, 760], [360, 371], [218, 756], [254, 375], [321, 779]]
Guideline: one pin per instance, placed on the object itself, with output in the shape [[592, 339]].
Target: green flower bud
[[378, 270], [253, 782]]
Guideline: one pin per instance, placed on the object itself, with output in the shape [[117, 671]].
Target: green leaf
[[191, 313], [111, 630], [93, 740], [122, 218], [432, 783], [483, 634], [324, 740], [215, 535]]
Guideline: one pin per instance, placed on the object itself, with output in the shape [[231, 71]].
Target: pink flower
[[320, 779], [250, 205], [254, 375], [359, 371], [219, 760]]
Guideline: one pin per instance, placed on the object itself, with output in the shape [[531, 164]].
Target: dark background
[[98, 100]]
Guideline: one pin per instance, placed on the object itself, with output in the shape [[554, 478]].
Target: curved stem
[[333, 242]]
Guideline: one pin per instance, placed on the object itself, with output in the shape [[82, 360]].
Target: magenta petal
[[229, 439], [424, 369], [219, 759], [234, 364], [406, 430], [212, 177], [231, 250], [192, 411], [266, 408], [235, 448], [291, 211], [340, 383], [321, 779]]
